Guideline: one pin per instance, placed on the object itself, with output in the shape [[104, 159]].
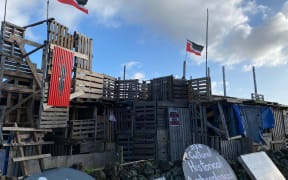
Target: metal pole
[[207, 43], [184, 70], [254, 78], [47, 9], [5, 11], [124, 75], [224, 80], [208, 72]]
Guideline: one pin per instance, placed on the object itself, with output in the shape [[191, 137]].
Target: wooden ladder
[[28, 137]]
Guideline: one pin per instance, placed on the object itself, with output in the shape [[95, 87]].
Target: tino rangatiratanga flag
[[194, 48], [80, 4]]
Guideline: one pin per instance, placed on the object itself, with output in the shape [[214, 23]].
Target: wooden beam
[[32, 67], [20, 103], [19, 159], [25, 129], [25, 41], [77, 54], [223, 119], [28, 144]]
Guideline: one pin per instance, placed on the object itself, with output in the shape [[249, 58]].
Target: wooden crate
[[168, 89], [145, 130], [59, 35], [16, 71], [126, 141], [109, 87], [81, 129], [124, 117], [127, 90], [199, 89], [83, 45], [91, 83], [162, 88], [54, 117]]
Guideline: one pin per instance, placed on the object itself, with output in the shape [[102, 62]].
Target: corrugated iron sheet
[[60, 84], [278, 130], [180, 136]]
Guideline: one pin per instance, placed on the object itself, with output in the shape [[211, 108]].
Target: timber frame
[[105, 111]]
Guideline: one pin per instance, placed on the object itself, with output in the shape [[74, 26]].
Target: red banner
[[60, 83]]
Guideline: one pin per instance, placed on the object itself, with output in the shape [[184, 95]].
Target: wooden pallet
[[83, 45], [126, 141], [91, 83], [58, 34], [127, 90], [28, 137], [20, 75], [199, 89]]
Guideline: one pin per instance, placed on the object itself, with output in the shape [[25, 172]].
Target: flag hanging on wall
[[60, 83], [80, 4], [194, 48]]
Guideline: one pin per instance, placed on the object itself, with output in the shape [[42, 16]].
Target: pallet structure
[[105, 112]]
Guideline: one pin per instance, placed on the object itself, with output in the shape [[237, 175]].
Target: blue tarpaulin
[[252, 120]]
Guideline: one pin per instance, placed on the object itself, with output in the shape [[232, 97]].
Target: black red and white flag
[[194, 48], [80, 4]]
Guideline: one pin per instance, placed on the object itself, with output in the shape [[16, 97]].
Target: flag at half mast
[[194, 48], [79, 4]]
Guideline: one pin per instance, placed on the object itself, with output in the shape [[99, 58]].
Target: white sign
[[174, 119], [260, 166]]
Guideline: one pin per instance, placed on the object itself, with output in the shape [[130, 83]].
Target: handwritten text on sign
[[202, 163]]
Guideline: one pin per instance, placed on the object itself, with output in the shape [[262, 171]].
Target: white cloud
[[217, 87], [232, 39], [131, 64], [139, 76]]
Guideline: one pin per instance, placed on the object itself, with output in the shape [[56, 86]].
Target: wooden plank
[[76, 54], [25, 129], [20, 103], [20, 159], [223, 119], [24, 165], [33, 69], [28, 144], [82, 83]]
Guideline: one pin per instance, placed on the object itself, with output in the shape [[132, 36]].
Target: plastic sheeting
[[252, 120]]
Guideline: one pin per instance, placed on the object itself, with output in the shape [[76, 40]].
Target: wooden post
[[254, 79], [1, 73], [8, 105], [124, 75], [184, 70], [223, 119], [95, 114], [18, 117], [224, 80]]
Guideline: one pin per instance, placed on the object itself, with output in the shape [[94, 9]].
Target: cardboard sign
[[60, 84], [260, 167], [203, 163], [174, 119]]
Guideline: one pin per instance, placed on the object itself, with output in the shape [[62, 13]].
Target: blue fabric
[[239, 119], [267, 118], [232, 122], [252, 120]]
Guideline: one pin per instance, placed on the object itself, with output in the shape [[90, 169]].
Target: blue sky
[[149, 36]]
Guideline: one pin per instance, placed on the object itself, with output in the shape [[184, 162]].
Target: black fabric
[[82, 2], [197, 47]]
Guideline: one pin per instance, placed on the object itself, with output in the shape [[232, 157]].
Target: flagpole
[[207, 44], [5, 11], [184, 65]]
